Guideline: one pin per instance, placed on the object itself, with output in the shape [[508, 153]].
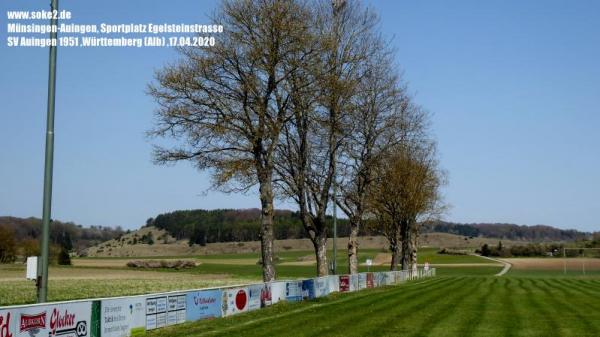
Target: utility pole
[[334, 262], [42, 283], [338, 5]]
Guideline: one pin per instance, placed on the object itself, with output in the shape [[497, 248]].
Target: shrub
[[170, 264], [63, 258]]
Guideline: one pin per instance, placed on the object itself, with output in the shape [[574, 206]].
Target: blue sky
[[514, 88]]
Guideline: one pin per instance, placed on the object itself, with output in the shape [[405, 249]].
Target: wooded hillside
[[537, 233], [229, 225], [25, 233]]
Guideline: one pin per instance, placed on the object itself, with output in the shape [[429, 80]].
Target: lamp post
[[42, 284], [334, 262]]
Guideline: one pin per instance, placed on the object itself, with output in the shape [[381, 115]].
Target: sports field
[[533, 299], [459, 305]]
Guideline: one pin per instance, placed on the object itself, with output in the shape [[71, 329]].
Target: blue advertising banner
[[203, 304]]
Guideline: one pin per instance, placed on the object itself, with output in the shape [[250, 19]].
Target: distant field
[[460, 305], [68, 283], [104, 277]]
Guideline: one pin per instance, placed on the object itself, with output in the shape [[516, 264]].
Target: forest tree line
[[21, 237], [233, 225]]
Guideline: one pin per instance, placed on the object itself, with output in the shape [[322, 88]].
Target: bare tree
[[382, 117], [226, 105], [406, 190], [322, 98]]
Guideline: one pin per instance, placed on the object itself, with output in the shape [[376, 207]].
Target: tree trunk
[[320, 244], [406, 245], [414, 238], [353, 247], [266, 229], [395, 256]]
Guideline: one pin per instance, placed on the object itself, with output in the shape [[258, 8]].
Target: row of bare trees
[[299, 97]]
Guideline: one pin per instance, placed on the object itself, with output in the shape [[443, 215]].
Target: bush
[[178, 264], [63, 258]]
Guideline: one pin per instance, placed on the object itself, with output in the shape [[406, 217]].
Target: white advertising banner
[[321, 286], [123, 317], [254, 296], [293, 291], [277, 292], [64, 319], [235, 300], [163, 310], [362, 281], [354, 282], [334, 283]]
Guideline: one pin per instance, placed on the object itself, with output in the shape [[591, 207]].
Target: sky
[[513, 88]]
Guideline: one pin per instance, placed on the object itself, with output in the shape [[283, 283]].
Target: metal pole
[[564, 261], [334, 267], [47, 206]]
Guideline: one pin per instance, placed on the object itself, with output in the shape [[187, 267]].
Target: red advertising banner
[[344, 283]]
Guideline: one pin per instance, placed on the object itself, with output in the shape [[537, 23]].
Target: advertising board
[[362, 281], [308, 289], [344, 283], [334, 283], [203, 304], [354, 282], [293, 291], [62, 319], [163, 310], [370, 280], [123, 317], [235, 300], [277, 292], [254, 296], [321, 286], [266, 295]]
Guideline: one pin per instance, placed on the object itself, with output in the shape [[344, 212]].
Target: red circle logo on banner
[[241, 299]]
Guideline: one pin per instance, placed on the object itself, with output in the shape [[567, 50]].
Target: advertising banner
[[293, 290], [362, 281], [235, 300], [65, 320], [344, 283], [254, 296], [370, 280], [321, 286], [391, 277], [266, 295], [334, 283], [6, 323], [165, 310], [379, 279], [354, 282], [308, 289], [277, 292], [123, 317], [203, 304]]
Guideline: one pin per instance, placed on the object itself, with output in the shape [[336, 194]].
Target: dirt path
[[506, 264]]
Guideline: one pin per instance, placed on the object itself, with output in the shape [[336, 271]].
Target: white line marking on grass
[[295, 311]]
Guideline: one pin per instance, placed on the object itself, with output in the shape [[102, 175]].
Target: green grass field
[[462, 304], [465, 299]]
